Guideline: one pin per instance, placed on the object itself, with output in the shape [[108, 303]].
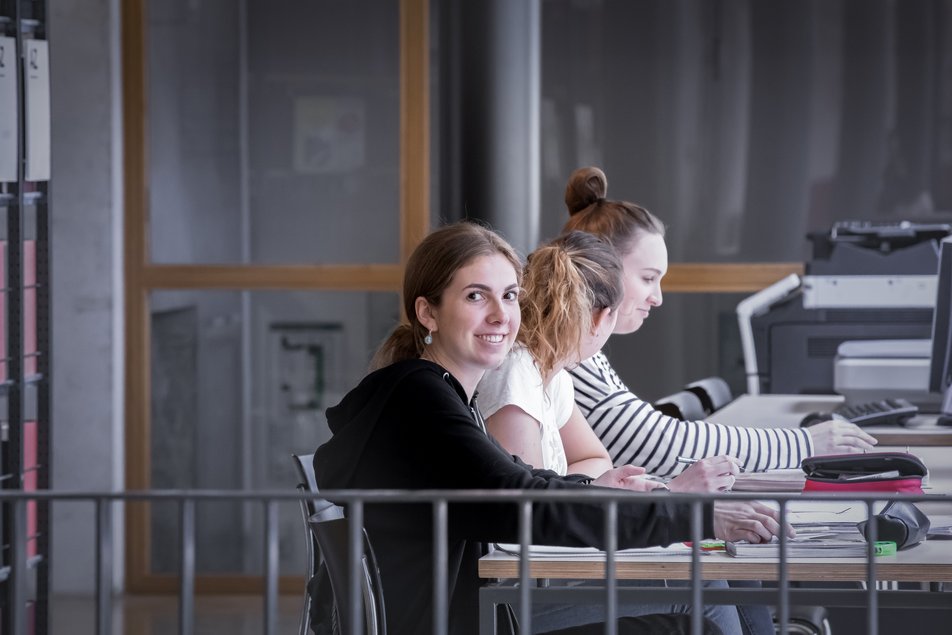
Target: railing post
[[187, 588], [697, 604], [783, 582], [440, 561], [872, 609], [355, 512], [525, 542], [16, 595], [104, 564], [271, 568], [611, 583]]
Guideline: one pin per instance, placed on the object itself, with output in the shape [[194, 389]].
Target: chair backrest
[[326, 509], [310, 509], [328, 538], [333, 537], [713, 392], [684, 405]]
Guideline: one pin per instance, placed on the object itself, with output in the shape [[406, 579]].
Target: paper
[[790, 480], [36, 71], [9, 107], [817, 546], [542, 551]]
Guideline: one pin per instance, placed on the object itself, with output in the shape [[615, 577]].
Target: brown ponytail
[[565, 282]]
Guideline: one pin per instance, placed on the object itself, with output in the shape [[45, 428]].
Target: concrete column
[[500, 88]]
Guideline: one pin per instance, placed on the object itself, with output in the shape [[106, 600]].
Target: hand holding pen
[[710, 474], [690, 461]]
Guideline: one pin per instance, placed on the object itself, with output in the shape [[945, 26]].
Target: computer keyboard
[[887, 412]]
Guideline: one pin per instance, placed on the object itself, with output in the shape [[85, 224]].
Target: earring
[[428, 339]]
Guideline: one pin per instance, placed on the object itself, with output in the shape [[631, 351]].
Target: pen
[[690, 461]]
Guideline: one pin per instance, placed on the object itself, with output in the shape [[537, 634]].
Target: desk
[[928, 562], [786, 411]]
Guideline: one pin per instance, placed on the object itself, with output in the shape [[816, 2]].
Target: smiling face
[[645, 263], [476, 321]]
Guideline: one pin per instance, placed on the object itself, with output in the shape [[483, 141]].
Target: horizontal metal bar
[[592, 495], [509, 593]]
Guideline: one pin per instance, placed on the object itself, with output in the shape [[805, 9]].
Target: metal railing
[[356, 500]]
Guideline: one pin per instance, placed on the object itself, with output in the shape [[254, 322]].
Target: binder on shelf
[[29, 308], [36, 73], [30, 483], [4, 290], [9, 130]]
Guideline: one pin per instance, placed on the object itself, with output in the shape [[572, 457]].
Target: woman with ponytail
[[572, 288]]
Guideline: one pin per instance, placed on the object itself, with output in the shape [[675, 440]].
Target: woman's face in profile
[[644, 266], [478, 316]]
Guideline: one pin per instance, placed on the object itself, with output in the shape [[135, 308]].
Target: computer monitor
[[940, 365]]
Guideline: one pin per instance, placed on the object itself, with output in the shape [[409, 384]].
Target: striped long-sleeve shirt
[[634, 432]]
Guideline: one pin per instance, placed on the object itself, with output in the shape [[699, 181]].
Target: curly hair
[[566, 281]]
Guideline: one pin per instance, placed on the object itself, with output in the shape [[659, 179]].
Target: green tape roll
[[885, 548]]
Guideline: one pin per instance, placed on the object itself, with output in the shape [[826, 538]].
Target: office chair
[[327, 547], [333, 536], [311, 508], [683, 405], [713, 392]]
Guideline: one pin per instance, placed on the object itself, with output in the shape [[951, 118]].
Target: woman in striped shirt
[[629, 427]]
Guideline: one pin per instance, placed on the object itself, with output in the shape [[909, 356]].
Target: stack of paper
[[790, 480], [817, 546], [547, 551]]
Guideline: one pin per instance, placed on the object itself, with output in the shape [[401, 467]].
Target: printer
[[866, 281]]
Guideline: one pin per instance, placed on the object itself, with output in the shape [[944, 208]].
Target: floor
[[158, 615]]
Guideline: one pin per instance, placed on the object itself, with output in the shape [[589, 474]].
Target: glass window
[[745, 125], [274, 133], [239, 381]]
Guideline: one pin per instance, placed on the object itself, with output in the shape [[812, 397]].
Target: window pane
[[241, 380], [274, 135], [744, 125]]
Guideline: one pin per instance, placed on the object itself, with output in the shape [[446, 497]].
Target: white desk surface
[[783, 411], [928, 561]]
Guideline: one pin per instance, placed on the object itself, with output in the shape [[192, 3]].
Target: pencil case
[[870, 472]]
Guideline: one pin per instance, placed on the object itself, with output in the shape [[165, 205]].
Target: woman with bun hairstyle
[[630, 428]]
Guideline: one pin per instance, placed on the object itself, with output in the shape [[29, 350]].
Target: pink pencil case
[[870, 472]]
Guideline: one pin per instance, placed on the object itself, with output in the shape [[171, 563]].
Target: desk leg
[[487, 614]]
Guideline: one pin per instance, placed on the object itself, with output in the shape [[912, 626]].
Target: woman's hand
[[628, 477], [839, 437], [713, 474], [747, 520]]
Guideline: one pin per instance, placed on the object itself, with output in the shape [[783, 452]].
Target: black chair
[[684, 405], [327, 548], [333, 536], [303, 463], [713, 392]]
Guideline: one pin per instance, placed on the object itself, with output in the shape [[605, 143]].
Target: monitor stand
[[945, 413]]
